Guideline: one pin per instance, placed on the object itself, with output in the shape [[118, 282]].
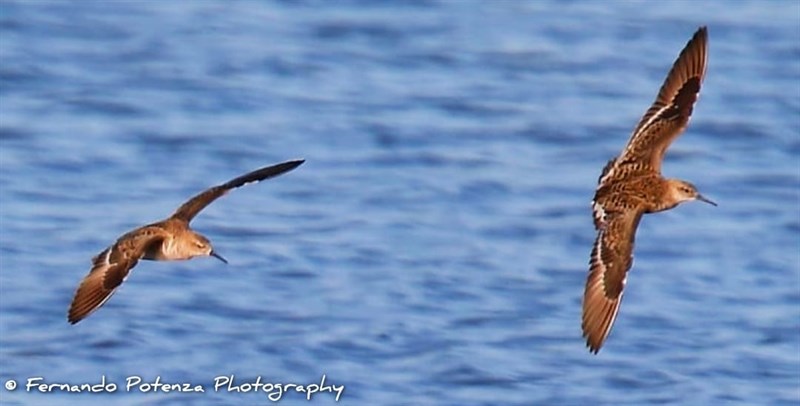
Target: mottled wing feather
[[611, 259], [188, 210], [666, 119], [110, 268], [606, 169]]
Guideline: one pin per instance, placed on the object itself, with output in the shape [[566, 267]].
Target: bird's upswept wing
[[188, 210], [669, 114]]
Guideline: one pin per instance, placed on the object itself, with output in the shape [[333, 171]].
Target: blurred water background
[[433, 248]]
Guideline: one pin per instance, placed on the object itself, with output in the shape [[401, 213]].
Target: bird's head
[[682, 191], [201, 246]]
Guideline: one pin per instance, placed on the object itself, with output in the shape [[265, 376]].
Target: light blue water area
[[433, 248]]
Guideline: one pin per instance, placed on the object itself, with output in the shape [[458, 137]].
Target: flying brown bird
[[166, 240], [631, 185]]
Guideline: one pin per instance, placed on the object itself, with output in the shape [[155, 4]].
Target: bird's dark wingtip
[[283, 167], [702, 32], [296, 162]]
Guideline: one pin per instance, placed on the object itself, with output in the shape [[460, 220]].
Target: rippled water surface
[[434, 246]]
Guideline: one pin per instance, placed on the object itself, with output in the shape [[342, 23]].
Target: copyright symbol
[[11, 384]]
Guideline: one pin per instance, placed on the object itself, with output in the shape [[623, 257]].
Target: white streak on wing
[[599, 213], [645, 125], [601, 281]]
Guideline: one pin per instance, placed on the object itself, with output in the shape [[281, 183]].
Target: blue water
[[434, 246]]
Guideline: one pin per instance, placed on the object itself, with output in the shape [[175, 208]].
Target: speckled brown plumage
[[631, 185], [169, 239]]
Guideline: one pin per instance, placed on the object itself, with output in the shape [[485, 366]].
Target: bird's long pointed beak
[[219, 257], [704, 199]]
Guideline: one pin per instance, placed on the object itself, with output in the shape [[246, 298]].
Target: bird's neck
[[669, 198], [174, 249]]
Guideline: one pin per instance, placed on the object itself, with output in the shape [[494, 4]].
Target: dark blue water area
[[433, 248]]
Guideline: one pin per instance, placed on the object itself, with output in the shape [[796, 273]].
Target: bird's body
[[632, 185], [168, 240]]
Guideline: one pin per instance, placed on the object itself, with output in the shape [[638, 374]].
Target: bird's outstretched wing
[[188, 210], [611, 259], [110, 268], [666, 119]]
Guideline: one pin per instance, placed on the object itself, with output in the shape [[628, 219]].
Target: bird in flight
[[166, 240], [631, 185]]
